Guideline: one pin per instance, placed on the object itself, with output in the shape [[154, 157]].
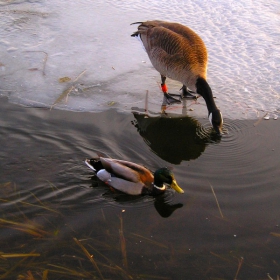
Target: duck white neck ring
[[160, 188]]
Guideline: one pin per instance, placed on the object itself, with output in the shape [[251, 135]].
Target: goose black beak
[[218, 130]]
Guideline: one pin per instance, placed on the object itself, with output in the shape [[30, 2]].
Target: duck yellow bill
[[176, 187]]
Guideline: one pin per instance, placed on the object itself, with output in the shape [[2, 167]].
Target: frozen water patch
[[44, 41]]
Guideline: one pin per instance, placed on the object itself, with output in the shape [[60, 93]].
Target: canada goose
[[177, 52], [132, 178]]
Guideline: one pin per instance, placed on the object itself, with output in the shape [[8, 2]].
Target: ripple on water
[[246, 150], [243, 140], [241, 167]]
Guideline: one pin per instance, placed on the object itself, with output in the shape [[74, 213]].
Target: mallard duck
[[132, 178], [177, 52]]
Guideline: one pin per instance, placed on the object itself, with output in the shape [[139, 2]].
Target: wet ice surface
[[89, 42]]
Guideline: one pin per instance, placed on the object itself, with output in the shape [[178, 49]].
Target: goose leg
[[169, 99], [187, 93]]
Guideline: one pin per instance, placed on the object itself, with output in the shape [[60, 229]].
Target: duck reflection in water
[[173, 139], [161, 202]]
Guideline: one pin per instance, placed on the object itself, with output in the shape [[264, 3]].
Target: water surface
[[49, 197]]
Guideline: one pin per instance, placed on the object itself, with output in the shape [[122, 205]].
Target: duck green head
[[165, 176]]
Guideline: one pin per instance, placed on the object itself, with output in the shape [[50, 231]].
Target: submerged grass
[[275, 234], [123, 244], [23, 227], [19, 255], [9, 271], [240, 262], [41, 251], [111, 265], [153, 242], [61, 270], [89, 256]]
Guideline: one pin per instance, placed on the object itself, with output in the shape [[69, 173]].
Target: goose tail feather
[[137, 22], [141, 29], [135, 34]]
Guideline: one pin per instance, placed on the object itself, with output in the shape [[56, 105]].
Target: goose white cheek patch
[[222, 118], [210, 118]]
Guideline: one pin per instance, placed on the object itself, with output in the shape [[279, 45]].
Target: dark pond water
[[55, 214]]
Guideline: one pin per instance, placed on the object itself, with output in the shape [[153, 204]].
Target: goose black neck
[[203, 88]]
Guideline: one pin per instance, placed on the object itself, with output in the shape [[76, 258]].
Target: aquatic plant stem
[[260, 119], [240, 262], [3, 276], [89, 257], [64, 95], [216, 201], [80, 75], [123, 244], [112, 264], [146, 101]]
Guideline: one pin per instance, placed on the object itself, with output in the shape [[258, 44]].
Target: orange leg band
[[164, 88]]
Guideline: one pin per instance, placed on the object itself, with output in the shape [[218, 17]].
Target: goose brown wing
[[178, 41], [170, 54], [187, 33], [177, 46], [165, 39], [182, 30]]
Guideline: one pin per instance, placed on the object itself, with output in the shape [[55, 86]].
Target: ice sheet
[[89, 42]]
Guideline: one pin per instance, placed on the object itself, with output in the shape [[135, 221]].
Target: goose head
[[216, 119]]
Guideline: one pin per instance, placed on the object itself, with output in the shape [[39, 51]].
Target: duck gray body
[[177, 52]]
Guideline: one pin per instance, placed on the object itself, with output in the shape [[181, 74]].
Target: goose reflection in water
[[174, 139]]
